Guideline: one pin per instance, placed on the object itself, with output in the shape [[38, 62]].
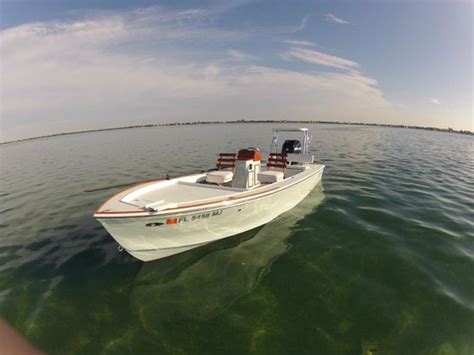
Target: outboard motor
[[291, 146]]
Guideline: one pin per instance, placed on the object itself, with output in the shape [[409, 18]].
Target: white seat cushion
[[270, 176], [219, 176]]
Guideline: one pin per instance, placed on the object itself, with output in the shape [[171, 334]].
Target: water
[[379, 257]]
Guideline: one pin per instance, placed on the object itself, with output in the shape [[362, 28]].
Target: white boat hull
[[150, 237]]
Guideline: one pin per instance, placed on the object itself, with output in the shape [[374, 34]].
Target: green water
[[378, 259]]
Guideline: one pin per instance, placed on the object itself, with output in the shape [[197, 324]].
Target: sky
[[77, 65]]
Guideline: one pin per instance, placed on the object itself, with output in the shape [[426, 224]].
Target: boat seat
[[277, 161], [225, 173], [219, 176], [276, 166], [270, 176]]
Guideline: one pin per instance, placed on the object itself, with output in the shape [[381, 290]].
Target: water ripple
[[387, 257]]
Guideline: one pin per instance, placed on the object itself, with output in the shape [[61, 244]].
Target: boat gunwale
[[163, 213]]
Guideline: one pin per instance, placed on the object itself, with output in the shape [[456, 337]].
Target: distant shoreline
[[449, 130]]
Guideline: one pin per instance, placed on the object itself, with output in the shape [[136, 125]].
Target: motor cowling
[[292, 146]]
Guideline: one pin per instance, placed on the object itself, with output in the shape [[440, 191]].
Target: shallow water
[[380, 256]]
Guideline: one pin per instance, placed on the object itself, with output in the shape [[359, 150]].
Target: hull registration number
[[176, 220], [199, 216]]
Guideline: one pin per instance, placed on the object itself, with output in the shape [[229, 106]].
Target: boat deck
[[185, 192], [160, 195], [170, 195]]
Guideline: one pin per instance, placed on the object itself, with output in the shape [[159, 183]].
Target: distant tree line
[[249, 121]]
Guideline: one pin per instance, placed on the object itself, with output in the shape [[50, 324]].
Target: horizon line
[[188, 123]]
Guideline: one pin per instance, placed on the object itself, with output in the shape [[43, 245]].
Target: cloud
[[240, 56], [435, 101], [335, 19], [315, 57], [300, 43], [301, 25], [151, 66]]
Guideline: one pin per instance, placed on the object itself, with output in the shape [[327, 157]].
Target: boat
[[157, 219]]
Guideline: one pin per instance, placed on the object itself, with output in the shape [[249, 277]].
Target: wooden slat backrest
[[226, 161], [277, 160]]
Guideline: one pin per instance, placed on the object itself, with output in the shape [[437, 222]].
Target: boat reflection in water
[[202, 283]]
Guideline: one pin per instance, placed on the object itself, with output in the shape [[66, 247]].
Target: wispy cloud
[[301, 25], [435, 101], [300, 43], [320, 58], [240, 56], [335, 19]]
